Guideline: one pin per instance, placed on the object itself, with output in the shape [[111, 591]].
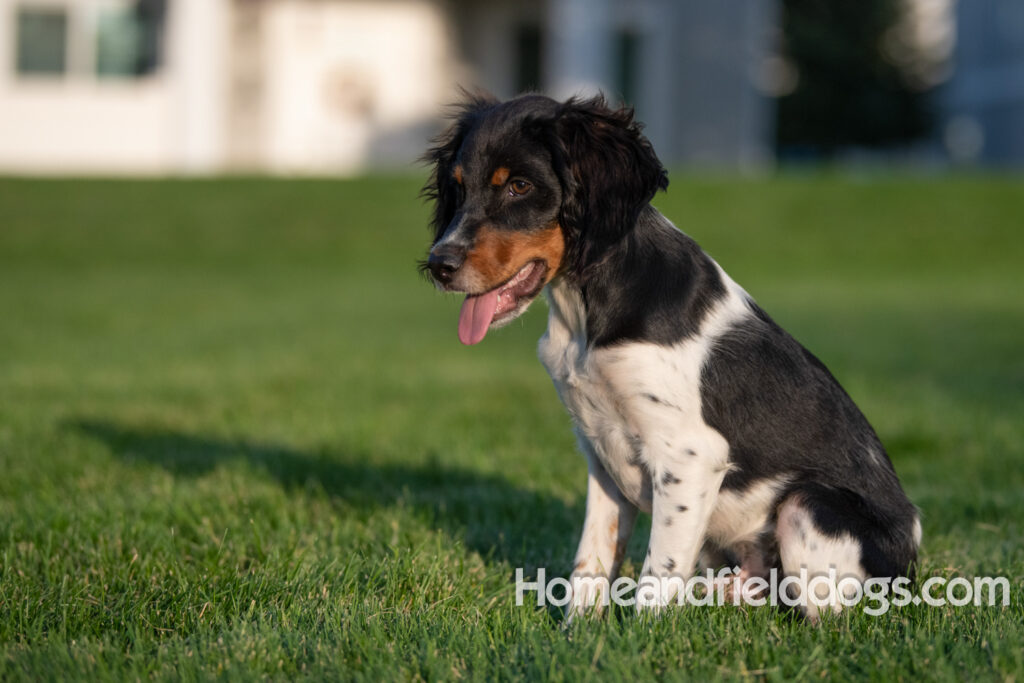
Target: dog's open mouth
[[504, 302]]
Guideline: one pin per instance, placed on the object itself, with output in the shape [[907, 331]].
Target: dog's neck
[[654, 284], [567, 293], [566, 311]]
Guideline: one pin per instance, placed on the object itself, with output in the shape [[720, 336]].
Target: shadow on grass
[[499, 520]]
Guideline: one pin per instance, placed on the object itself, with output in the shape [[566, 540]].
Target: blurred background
[[238, 435], [349, 86]]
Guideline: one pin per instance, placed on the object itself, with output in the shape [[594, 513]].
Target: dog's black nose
[[445, 260]]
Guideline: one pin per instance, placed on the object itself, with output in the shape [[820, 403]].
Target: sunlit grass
[[238, 434]]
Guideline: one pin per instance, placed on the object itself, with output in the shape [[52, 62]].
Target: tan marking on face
[[500, 176], [498, 255], [457, 174]]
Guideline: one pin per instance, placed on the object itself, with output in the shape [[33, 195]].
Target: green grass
[[239, 438]]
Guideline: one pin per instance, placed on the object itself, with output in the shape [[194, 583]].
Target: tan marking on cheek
[[488, 256], [552, 249], [613, 529], [497, 256], [457, 174], [500, 176]]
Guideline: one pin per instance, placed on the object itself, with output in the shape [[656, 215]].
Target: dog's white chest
[[636, 406], [596, 409]]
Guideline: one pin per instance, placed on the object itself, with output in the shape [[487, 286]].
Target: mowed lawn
[[239, 437]]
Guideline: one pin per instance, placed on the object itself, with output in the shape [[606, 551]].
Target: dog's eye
[[519, 187]]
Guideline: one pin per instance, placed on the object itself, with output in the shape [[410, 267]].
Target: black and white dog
[[689, 402]]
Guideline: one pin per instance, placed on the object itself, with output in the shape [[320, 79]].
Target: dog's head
[[528, 190]]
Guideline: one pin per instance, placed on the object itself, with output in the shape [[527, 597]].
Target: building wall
[[339, 86], [351, 84], [78, 122], [692, 77], [292, 86]]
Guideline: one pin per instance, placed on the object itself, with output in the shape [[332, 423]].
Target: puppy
[[689, 402]]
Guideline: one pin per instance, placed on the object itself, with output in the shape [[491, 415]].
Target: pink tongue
[[476, 316]]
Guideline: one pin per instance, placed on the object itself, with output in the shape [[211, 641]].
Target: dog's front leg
[[684, 491], [607, 528]]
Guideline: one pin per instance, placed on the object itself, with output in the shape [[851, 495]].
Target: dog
[[689, 402]]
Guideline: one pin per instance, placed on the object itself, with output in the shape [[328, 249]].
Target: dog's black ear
[[611, 173], [441, 187]]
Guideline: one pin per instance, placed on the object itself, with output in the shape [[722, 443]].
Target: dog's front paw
[[590, 595], [654, 593]]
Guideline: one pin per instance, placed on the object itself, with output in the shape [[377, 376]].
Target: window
[[100, 38], [118, 42], [42, 40]]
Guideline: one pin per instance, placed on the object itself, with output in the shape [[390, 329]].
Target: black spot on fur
[[660, 401], [668, 521], [682, 508], [668, 478], [670, 564], [690, 452]]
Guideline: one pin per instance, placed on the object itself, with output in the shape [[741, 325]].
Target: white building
[[699, 73], [337, 86]]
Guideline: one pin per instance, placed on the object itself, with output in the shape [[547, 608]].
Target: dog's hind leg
[[825, 564], [834, 541]]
